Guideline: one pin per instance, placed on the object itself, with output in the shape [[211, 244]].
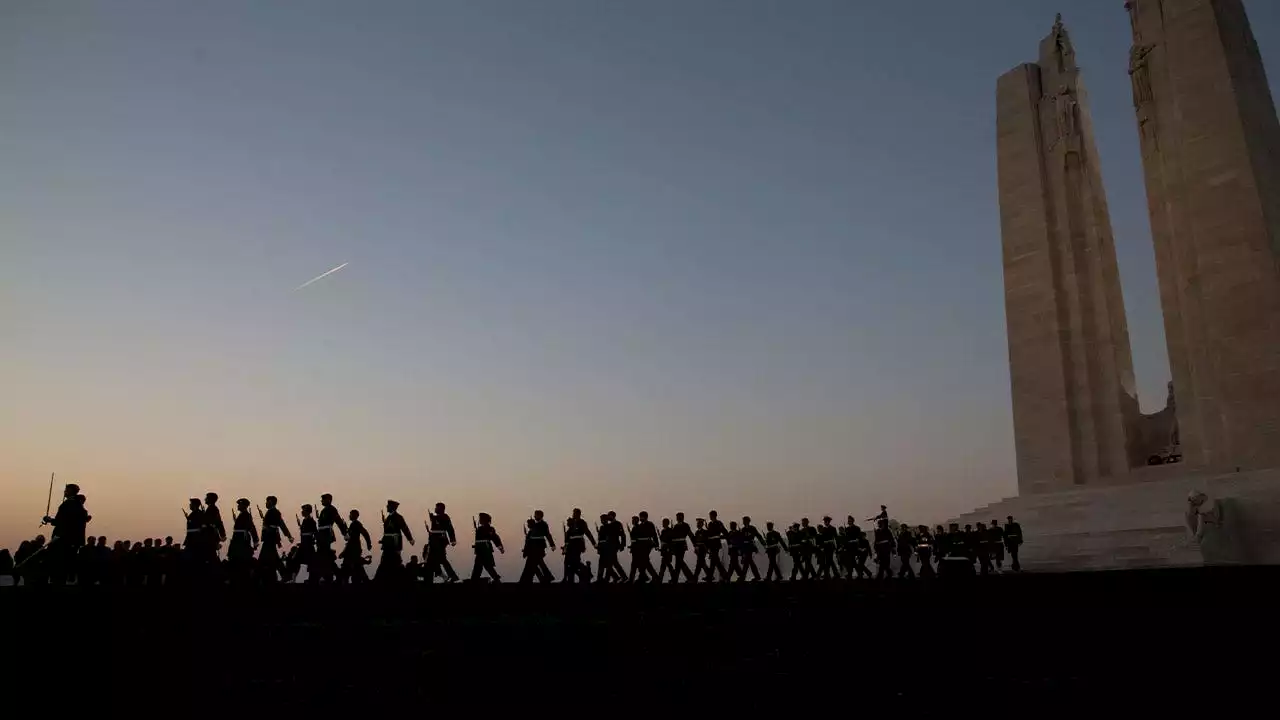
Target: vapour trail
[[321, 276]]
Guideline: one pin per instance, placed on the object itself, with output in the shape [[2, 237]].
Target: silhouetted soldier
[[440, 536], [956, 560], [751, 536], [939, 542], [808, 547], [644, 539], [664, 549], [1013, 541], [906, 549], [884, 545], [700, 536], [68, 535], [609, 544], [325, 566], [882, 515], [734, 539], [576, 536], [795, 547], [394, 532], [306, 554], [353, 560], [486, 540], [620, 544], [827, 541], [215, 531], [716, 535], [849, 546], [536, 542], [270, 562], [773, 544], [678, 546], [194, 556], [924, 551], [244, 541], [982, 548], [995, 544]]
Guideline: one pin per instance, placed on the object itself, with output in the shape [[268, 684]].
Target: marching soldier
[[678, 546], [734, 541], [862, 556], [882, 515], [270, 563], [906, 548], [607, 549], [215, 531], [194, 557], [325, 566], [394, 532], [795, 547], [353, 560], [716, 534], [747, 557], [808, 547], [619, 543], [440, 538], [924, 551], [244, 541], [995, 544], [956, 560], [773, 544], [536, 542], [849, 546], [700, 535], [884, 549], [306, 554], [1013, 541], [644, 538], [982, 548], [939, 542], [827, 539], [576, 536], [486, 540], [664, 549]]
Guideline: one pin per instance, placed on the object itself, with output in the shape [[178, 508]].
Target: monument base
[[1144, 524]]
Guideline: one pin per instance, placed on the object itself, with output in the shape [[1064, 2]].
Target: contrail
[[322, 275]]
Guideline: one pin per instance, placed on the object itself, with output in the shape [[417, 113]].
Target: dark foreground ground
[[1033, 640]]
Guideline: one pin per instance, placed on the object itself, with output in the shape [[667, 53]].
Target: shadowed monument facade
[[1210, 144]]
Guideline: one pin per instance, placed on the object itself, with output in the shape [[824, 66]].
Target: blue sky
[[604, 253]]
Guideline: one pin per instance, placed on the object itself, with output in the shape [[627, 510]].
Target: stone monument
[[1098, 483], [1211, 154], [1074, 400]]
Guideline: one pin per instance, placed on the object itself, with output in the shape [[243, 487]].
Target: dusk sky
[[647, 254]]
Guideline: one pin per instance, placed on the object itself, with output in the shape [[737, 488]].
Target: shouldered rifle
[[48, 503]]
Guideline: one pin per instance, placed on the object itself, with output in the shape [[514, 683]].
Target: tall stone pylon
[[1211, 154], [1074, 400]]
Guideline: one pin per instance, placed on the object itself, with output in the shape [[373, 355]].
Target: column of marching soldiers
[[823, 551]]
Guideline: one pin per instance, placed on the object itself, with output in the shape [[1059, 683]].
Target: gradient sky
[[661, 254]]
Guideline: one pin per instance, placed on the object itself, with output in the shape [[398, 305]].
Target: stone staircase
[[1139, 525]]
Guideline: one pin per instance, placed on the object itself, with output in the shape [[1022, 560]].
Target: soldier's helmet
[[354, 514], [439, 508], [71, 489], [484, 517], [306, 508], [194, 503], [272, 500], [326, 498], [392, 504], [211, 498], [243, 503]]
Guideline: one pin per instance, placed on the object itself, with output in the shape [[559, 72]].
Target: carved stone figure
[[1132, 7], [1140, 74], [1065, 52], [1066, 107], [1203, 515]]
